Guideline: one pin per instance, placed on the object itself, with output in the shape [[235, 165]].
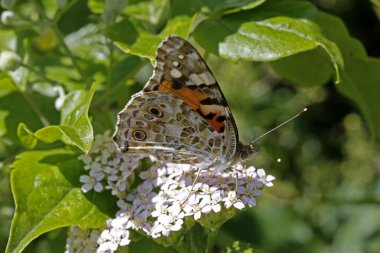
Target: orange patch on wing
[[189, 96], [193, 98], [218, 126]]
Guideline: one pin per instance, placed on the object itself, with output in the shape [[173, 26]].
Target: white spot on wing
[[181, 56], [175, 63], [196, 79], [175, 73], [206, 77]]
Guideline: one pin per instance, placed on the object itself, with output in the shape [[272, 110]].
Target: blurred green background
[[326, 196]]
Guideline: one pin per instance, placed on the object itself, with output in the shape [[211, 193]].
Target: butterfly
[[181, 115]]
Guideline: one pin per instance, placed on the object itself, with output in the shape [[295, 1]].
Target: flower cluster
[[82, 240], [164, 195], [107, 168]]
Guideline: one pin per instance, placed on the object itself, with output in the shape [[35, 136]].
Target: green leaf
[[26, 136], [7, 39], [360, 82], [133, 39], [74, 116], [231, 6], [3, 127], [75, 127], [310, 68], [96, 6], [262, 34], [365, 219], [179, 25], [361, 76], [152, 14], [6, 85], [185, 7], [46, 189]]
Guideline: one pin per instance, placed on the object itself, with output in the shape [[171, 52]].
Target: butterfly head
[[246, 151]]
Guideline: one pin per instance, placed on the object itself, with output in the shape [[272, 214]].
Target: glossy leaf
[[143, 43], [46, 189], [231, 6], [75, 127], [262, 34]]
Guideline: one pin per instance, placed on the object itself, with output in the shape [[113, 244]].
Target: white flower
[[82, 240], [92, 181], [231, 200], [108, 242], [267, 180], [117, 234], [210, 200], [158, 200]]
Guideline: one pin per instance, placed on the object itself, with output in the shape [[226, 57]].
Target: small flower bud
[[9, 60], [8, 17]]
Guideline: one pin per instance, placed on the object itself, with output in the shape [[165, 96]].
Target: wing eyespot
[[139, 135], [155, 112]]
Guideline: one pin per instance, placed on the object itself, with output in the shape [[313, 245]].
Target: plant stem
[[43, 119], [67, 50], [211, 239], [57, 32], [110, 64], [60, 12], [24, 91], [101, 101], [40, 74]]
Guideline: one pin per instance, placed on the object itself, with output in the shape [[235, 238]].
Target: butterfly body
[[181, 115]]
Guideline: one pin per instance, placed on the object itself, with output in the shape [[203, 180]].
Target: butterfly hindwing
[[159, 124], [195, 125]]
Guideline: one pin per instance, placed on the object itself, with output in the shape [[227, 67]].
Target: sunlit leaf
[[26, 136], [152, 14], [133, 39], [75, 127], [6, 85], [262, 35], [179, 25], [231, 6], [46, 189]]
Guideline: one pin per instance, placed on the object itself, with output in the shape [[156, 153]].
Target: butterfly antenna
[[283, 123]]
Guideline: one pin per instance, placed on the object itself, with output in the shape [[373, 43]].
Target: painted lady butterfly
[[181, 115]]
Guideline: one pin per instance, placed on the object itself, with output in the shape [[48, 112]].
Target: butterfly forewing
[[191, 120]]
